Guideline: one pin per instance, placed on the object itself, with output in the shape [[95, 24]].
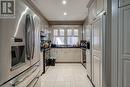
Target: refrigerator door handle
[[33, 37], [27, 36]]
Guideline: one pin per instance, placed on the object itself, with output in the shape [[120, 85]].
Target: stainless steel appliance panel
[[12, 33], [37, 26], [26, 78], [11, 29]]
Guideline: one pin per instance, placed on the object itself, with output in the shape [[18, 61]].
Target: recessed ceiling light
[[65, 13], [64, 2]]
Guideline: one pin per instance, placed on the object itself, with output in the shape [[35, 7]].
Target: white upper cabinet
[[99, 6], [124, 2], [97, 35], [125, 29], [97, 72], [96, 8], [88, 33], [92, 12]]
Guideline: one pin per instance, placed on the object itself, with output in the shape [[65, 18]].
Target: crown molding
[[31, 5], [90, 3], [66, 22]]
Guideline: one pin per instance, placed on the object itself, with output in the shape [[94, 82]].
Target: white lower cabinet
[[97, 71], [66, 54], [89, 64], [126, 72]]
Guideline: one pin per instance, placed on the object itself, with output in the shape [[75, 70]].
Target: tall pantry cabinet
[[124, 44], [96, 18], [97, 52]]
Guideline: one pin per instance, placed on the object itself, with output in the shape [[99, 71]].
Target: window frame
[[66, 36]]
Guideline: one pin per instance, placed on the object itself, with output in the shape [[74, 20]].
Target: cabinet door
[[124, 2], [89, 51], [97, 71], [92, 12], [99, 6], [124, 47], [55, 53], [88, 64], [97, 53], [97, 35], [68, 55], [88, 33]]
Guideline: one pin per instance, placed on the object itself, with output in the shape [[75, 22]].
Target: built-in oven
[[84, 57], [85, 45]]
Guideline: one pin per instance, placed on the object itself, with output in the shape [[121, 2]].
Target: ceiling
[[53, 10]]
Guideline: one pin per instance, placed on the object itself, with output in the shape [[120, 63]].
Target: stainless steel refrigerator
[[19, 47]]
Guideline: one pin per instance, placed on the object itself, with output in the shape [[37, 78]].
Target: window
[[58, 36], [61, 32], [72, 38], [65, 36], [76, 32], [55, 32], [58, 40], [69, 32]]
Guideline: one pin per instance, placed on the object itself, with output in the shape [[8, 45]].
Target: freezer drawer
[[36, 82], [24, 79]]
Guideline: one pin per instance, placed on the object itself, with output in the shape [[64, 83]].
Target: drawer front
[[25, 78]]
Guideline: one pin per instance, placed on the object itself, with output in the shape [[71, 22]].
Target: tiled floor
[[66, 75]]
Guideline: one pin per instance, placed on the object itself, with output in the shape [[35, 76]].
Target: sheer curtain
[[66, 34]]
